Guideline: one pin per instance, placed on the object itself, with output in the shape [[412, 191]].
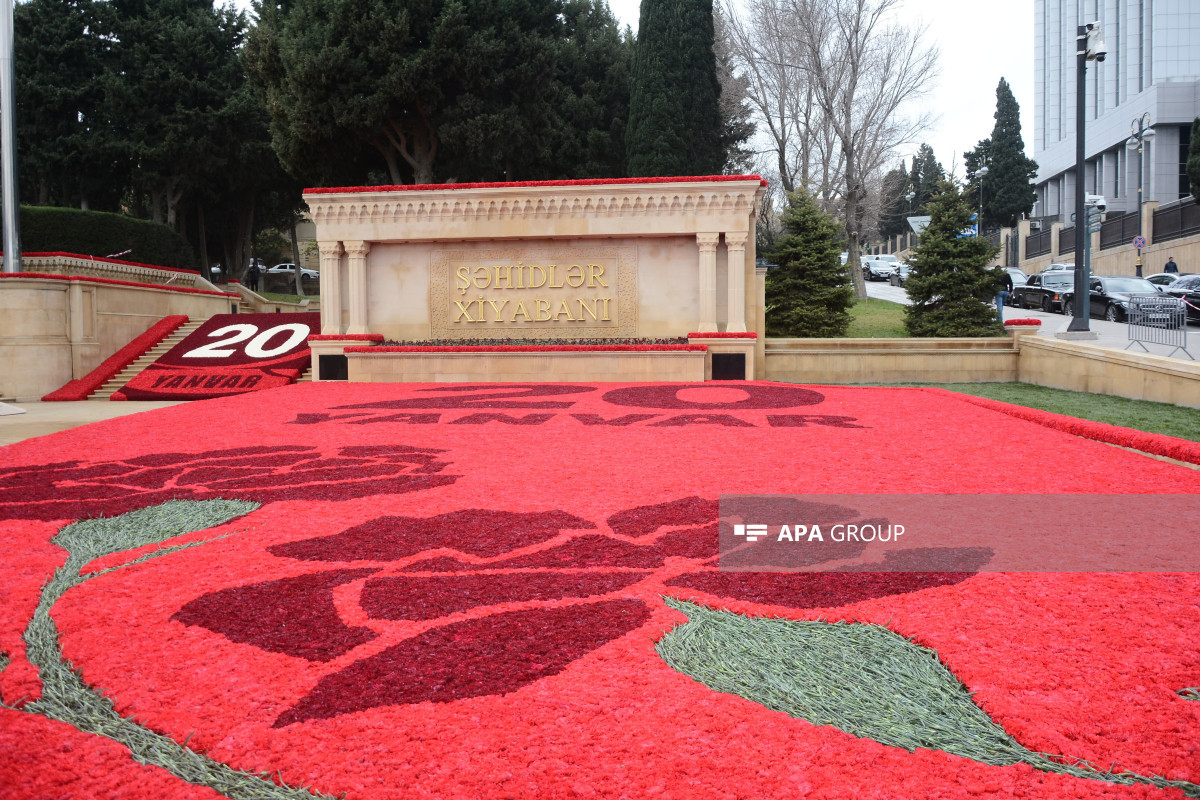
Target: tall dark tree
[[68, 152], [925, 176], [1008, 186], [811, 292], [1193, 159], [675, 124], [951, 288], [895, 207]]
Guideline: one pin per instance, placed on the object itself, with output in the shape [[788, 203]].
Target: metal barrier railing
[[1155, 319]]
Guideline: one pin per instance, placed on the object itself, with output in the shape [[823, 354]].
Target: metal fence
[[1155, 319], [1176, 220], [1066, 241], [1038, 244], [1120, 230]]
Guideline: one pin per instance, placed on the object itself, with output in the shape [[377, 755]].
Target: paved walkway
[[1112, 334], [41, 418]]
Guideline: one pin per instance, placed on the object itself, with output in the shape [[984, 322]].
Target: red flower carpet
[[457, 591]]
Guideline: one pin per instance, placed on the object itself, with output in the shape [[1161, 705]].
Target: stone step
[[123, 377]]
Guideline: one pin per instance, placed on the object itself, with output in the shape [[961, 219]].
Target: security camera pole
[[1088, 47], [8, 142]]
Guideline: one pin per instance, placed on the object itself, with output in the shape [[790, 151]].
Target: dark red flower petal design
[[76, 490], [604, 551], [829, 589], [407, 597], [647, 519], [476, 531], [491, 655], [294, 616]]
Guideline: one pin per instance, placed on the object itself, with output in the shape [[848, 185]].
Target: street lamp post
[[1088, 47], [8, 142], [1141, 132], [983, 171]]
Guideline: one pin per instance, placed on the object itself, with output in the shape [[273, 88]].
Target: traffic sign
[[1139, 242]]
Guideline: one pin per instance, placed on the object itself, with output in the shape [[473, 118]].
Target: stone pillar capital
[[359, 249], [708, 242], [736, 239], [329, 249]]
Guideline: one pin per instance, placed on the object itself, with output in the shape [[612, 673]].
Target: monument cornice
[[554, 208]]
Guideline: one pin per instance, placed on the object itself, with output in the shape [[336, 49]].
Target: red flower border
[[531, 348], [86, 257], [352, 337], [526, 184], [723, 335], [80, 388], [110, 281], [1153, 443], [1022, 322]]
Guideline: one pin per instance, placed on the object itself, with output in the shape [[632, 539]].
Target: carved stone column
[[331, 287], [357, 252], [708, 280], [735, 245]]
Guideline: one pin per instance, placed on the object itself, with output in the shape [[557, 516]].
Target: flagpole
[[8, 143]]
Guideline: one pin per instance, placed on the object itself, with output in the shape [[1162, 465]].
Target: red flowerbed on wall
[[111, 282], [229, 354], [80, 388], [722, 335], [455, 591], [521, 184], [534, 348], [1030, 321]]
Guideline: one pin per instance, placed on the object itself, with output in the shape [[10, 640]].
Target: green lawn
[[877, 319], [1141, 415], [288, 298]]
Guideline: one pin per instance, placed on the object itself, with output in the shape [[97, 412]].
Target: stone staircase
[[306, 376], [149, 357]]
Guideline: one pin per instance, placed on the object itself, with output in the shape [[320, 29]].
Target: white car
[[290, 269], [1060, 268]]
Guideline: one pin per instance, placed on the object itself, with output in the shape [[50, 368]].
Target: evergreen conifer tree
[[1193, 159], [811, 292], [1008, 187], [924, 177], [951, 288], [675, 123]]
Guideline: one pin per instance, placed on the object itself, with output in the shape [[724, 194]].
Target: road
[[1114, 335]]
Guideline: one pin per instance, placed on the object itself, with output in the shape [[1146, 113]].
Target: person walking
[[1006, 287], [1171, 265]]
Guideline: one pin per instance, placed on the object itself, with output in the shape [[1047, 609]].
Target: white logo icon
[[752, 532]]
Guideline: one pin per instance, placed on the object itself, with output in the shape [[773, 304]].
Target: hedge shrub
[[99, 233]]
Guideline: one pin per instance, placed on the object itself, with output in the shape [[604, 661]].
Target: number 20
[[255, 347]]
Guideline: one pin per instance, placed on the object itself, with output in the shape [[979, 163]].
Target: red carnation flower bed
[[111, 282], [525, 184], [1030, 321], [723, 335], [80, 389], [456, 591], [229, 354], [534, 348]]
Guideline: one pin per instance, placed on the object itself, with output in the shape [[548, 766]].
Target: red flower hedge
[[1022, 322], [340, 337], [722, 335], [80, 388], [109, 281], [534, 348], [1157, 444], [522, 184]]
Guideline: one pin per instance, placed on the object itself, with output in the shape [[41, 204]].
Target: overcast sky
[[978, 46]]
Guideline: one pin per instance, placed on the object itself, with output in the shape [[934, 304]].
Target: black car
[[1044, 290], [1110, 295], [898, 277], [1188, 289]]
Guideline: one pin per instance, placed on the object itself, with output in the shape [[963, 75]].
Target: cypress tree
[[951, 289], [1193, 159], [1008, 187], [675, 124], [811, 292]]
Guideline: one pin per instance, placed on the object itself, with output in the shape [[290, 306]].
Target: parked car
[[878, 267], [1187, 288], [900, 275], [1019, 278], [1109, 295], [1166, 279], [1057, 267], [1044, 290], [290, 269]]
